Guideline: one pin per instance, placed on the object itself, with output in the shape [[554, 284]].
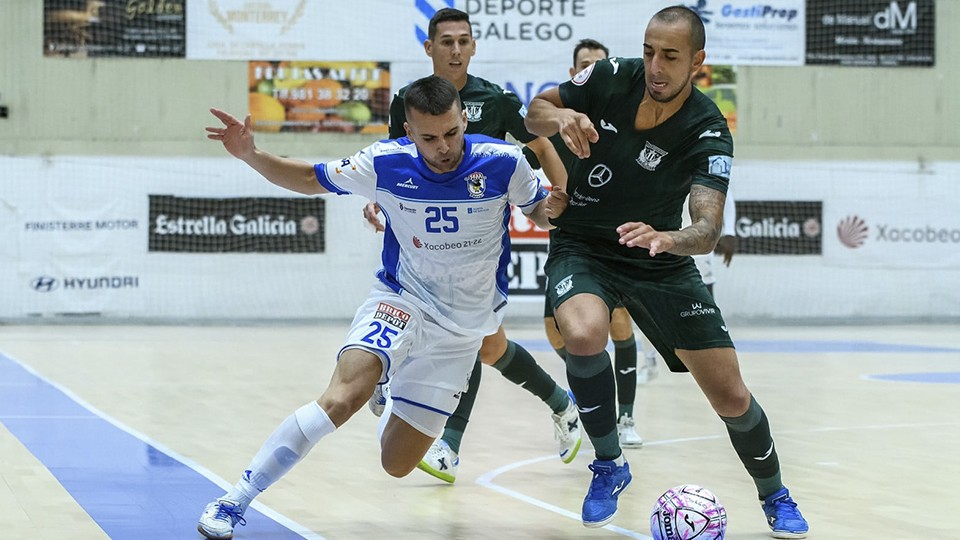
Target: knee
[[341, 407], [493, 348], [394, 467], [585, 339], [733, 402]]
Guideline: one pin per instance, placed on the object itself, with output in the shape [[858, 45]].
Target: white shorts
[[427, 365], [705, 266]]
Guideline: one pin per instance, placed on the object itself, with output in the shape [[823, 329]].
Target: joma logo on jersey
[[476, 184], [651, 156], [474, 110]]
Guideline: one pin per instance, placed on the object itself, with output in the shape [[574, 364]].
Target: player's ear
[[406, 128], [573, 71], [698, 58], [428, 48]]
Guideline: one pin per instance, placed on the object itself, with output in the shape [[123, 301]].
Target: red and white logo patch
[[392, 315], [581, 78]]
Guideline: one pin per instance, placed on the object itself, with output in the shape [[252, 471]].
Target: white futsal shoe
[[440, 461], [567, 430], [627, 430], [219, 518]]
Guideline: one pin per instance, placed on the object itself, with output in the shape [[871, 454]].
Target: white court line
[[206, 473], [47, 417], [486, 479]]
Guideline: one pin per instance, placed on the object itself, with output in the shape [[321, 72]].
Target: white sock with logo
[[285, 447]]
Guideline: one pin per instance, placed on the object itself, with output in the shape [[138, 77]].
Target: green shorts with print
[[669, 302]]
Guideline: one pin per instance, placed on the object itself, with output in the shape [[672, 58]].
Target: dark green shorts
[[548, 306], [672, 306]]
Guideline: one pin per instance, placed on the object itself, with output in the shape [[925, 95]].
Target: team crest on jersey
[[650, 157], [583, 76], [565, 286], [392, 315], [474, 110], [476, 184]]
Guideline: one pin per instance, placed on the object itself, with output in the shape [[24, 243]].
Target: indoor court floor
[[125, 432]]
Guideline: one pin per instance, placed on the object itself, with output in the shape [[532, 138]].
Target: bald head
[[684, 15]]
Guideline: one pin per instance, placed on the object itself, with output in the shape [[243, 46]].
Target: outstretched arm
[[549, 208], [547, 116], [706, 214], [549, 161], [237, 138]]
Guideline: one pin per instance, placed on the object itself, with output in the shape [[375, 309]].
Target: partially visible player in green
[[492, 111], [646, 139], [585, 53]]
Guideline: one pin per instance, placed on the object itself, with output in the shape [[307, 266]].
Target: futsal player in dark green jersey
[[585, 53], [646, 139], [491, 111]]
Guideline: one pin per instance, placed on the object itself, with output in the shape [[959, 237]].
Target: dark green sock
[[751, 438], [457, 423], [562, 353], [519, 367], [625, 364], [592, 381]]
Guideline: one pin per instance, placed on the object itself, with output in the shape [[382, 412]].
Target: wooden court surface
[[866, 457]]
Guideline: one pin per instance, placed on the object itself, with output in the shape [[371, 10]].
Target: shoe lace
[[442, 454], [785, 508], [602, 478], [564, 425], [231, 512]]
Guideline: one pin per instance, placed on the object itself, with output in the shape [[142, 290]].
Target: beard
[[440, 167], [667, 98]]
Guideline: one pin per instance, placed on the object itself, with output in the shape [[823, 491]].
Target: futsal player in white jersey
[[442, 286]]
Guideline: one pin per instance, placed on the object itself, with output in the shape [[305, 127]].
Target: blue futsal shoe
[[608, 483], [783, 517]]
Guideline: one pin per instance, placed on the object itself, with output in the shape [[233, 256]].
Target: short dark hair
[[431, 95], [698, 36], [445, 15], [591, 44]]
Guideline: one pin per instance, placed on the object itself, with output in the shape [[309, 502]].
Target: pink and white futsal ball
[[688, 512]]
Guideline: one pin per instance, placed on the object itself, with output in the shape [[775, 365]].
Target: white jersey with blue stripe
[[447, 243]]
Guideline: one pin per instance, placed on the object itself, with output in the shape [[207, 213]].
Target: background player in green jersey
[[494, 112], [647, 139], [585, 53]]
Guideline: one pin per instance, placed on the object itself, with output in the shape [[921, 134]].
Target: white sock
[[285, 447]]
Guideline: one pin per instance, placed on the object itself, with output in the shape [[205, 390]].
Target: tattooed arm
[[706, 213]]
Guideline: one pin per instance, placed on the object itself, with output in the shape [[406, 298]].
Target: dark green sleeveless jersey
[[636, 175], [491, 111]]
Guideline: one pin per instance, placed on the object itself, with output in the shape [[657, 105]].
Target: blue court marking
[[795, 346], [132, 489], [947, 377]]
